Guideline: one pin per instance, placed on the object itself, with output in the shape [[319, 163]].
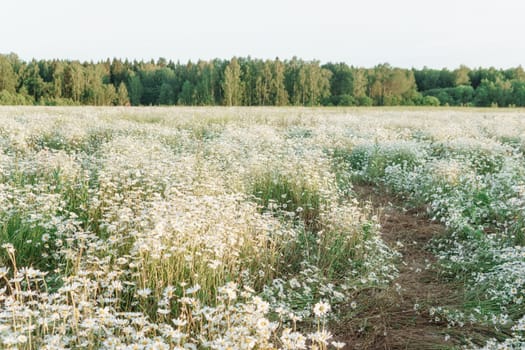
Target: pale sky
[[404, 33]]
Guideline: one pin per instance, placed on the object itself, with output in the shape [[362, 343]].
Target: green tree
[[95, 91], [278, 93], [186, 94], [342, 80], [232, 84], [392, 86], [518, 74], [32, 80], [73, 81], [378, 79], [12, 98], [518, 93], [118, 72], [401, 86], [122, 95], [135, 90], [263, 84], [360, 83], [249, 73], [205, 76], [491, 93], [57, 79], [166, 95], [461, 76], [428, 79], [8, 78], [430, 101], [310, 83]]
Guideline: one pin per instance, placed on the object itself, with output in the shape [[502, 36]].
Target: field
[[261, 228]]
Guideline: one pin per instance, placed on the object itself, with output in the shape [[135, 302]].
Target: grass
[[276, 193]]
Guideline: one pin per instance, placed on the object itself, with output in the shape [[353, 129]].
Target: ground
[[399, 317]]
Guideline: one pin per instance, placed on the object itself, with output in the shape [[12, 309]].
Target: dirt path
[[399, 317]]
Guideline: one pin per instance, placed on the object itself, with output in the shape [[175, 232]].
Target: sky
[[404, 33]]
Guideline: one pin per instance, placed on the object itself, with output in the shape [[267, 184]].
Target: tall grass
[[276, 193]]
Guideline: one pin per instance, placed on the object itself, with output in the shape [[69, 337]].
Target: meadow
[[240, 228]]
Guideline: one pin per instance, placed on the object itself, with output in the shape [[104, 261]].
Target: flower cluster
[[171, 229], [468, 172]]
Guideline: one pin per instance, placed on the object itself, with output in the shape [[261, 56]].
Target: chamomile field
[[261, 228]]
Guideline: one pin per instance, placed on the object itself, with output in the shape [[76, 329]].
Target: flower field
[[238, 228]]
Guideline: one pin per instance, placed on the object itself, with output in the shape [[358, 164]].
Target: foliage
[[252, 82]]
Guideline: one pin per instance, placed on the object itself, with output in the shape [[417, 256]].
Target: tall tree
[[73, 81], [166, 95], [360, 83], [232, 85], [263, 83], [57, 79], [461, 76], [278, 93], [122, 95], [118, 72], [135, 89], [95, 91], [32, 80], [205, 76], [8, 79], [341, 82], [186, 94]]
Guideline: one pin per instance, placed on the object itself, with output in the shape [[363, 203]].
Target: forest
[[252, 82]]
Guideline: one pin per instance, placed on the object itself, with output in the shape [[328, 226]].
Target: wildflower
[[229, 290], [176, 335], [338, 344], [321, 309], [21, 339], [90, 323], [292, 340], [188, 301], [29, 272], [169, 292], [144, 293], [320, 337], [161, 311], [263, 323], [294, 318], [9, 339], [262, 306], [9, 247], [294, 283], [179, 322], [214, 264], [117, 285], [193, 289]]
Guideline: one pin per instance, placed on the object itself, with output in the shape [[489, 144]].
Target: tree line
[[251, 82]]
